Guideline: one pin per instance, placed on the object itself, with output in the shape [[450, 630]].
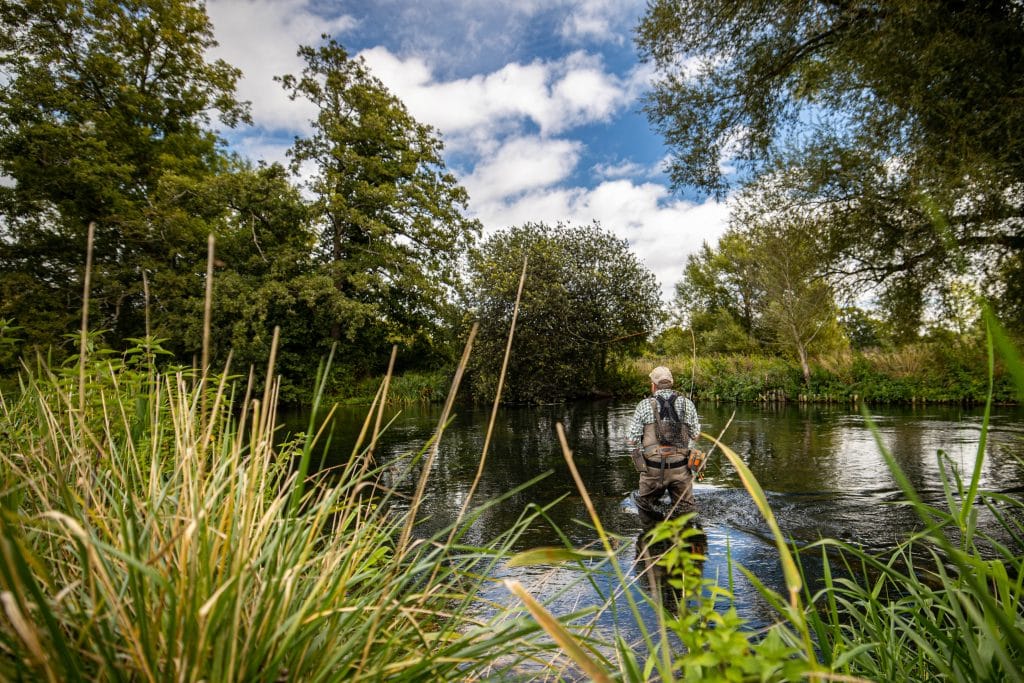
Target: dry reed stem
[[410, 516], [207, 314], [240, 435], [83, 343], [363, 463], [221, 385], [610, 552], [582, 488], [27, 632], [382, 393], [442, 423], [497, 395], [145, 299], [383, 402], [269, 378]]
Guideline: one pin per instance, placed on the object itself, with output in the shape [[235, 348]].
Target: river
[[819, 464]]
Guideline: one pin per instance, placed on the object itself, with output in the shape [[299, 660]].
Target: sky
[[538, 103]]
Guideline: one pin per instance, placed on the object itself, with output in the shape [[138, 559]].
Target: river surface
[[821, 467]]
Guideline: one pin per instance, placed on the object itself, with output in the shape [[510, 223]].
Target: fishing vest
[[668, 435]]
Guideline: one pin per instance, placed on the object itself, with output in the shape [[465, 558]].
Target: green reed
[[150, 541]]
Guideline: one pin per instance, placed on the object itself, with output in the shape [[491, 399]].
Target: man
[[663, 431]]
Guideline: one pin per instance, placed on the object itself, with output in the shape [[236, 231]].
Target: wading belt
[[661, 464]]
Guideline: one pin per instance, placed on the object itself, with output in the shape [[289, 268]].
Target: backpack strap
[[667, 408], [657, 419]]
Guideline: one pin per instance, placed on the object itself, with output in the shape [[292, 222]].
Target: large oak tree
[[390, 217]]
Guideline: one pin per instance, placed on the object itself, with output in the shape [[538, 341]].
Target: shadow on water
[[820, 466]]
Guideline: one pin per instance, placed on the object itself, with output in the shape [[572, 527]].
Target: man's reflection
[[670, 558]]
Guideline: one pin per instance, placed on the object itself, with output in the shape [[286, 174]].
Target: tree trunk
[[804, 365], [801, 350]]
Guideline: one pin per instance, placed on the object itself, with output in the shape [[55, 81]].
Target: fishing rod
[[707, 456], [693, 361]]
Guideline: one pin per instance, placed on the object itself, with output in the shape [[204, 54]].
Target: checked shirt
[[643, 415]]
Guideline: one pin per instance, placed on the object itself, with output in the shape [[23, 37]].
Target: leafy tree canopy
[[390, 218], [104, 117], [761, 287], [898, 123], [586, 298]]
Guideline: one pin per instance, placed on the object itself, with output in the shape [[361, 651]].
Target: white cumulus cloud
[[599, 20], [662, 230], [262, 37], [552, 95], [519, 165]]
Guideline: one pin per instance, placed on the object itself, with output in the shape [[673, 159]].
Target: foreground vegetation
[[151, 529]]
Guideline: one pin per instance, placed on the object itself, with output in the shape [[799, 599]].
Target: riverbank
[[910, 375], [925, 373]]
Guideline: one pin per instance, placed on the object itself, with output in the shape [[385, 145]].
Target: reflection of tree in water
[[792, 447], [1006, 446], [906, 446]]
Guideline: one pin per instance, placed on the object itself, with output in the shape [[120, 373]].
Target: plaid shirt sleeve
[[641, 416]]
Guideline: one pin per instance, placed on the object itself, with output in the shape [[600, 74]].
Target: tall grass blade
[[558, 633], [791, 575], [207, 317], [1010, 354], [322, 373], [497, 392], [428, 466]]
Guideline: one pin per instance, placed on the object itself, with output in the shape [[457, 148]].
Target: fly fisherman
[[663, 435]]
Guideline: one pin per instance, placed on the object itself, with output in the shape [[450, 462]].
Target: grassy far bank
[[912, 374], [927, 372], [931, 372]]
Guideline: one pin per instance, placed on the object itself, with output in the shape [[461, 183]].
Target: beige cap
[[661, 377]]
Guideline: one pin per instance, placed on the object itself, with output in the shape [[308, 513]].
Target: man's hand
[[697, 460]]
